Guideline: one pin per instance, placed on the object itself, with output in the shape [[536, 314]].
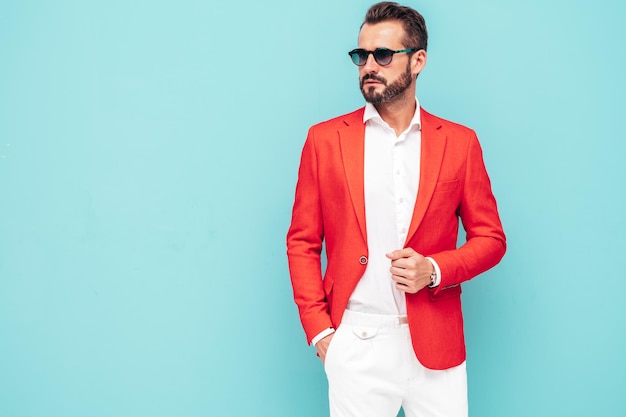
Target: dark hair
[[414, 24]]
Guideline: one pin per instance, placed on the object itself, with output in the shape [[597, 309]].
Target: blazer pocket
[[445, 293], [446, 185]]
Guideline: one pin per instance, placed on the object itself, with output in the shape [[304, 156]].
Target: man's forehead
[[386, 33]]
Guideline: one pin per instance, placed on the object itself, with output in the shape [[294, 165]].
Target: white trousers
[[372, 371]]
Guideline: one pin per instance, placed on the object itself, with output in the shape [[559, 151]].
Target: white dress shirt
[[392, 166], [391, 178]]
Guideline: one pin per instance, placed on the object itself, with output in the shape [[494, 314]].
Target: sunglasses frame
[[359, 51]]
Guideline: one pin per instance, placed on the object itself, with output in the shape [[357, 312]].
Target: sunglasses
[[382, 56]]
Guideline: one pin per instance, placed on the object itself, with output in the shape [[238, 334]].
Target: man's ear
[[418, 62]]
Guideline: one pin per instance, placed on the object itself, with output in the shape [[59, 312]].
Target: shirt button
[[363, 260]]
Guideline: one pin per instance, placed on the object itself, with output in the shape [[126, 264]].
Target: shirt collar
[[372, 114]]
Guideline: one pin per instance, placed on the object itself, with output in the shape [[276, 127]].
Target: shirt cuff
[[322, 335], [437, 272]]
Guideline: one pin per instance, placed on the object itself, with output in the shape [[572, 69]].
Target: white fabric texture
[[391, 179], [373, 371]]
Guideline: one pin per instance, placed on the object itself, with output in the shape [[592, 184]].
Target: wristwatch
[[433, 279]]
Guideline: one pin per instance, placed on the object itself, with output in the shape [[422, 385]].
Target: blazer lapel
[[432, 150], [352, 145]]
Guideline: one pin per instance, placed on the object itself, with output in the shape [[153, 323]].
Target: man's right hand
[[322, 346]]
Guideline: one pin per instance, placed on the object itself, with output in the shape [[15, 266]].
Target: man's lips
[[371, 80]]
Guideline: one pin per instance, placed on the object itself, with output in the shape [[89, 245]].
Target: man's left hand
[[410, 270]]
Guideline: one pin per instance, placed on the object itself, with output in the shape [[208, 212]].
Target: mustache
[[373, 77]]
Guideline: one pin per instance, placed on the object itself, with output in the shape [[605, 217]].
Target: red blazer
[[329, 207]]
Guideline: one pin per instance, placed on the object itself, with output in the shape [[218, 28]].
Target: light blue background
[[148, 157]]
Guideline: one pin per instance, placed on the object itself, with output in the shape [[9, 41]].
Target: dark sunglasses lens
[[359, 57], [383, 56]]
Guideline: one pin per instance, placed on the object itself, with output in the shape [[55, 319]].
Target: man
[[384, 188]]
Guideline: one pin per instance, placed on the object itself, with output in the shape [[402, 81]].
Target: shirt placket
[[401, 195]]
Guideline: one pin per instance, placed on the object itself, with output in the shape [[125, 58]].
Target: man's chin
[[372, 97]]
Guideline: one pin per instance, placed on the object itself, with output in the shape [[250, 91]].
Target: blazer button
[[363, 260]]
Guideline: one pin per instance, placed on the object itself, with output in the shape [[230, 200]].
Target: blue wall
[[148, 156]]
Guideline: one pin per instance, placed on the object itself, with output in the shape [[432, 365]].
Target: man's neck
[[398, 113]]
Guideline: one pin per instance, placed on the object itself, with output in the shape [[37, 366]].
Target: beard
[[391, 91]]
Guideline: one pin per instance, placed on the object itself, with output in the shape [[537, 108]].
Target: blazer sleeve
[[304, 245], [485, 240]]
